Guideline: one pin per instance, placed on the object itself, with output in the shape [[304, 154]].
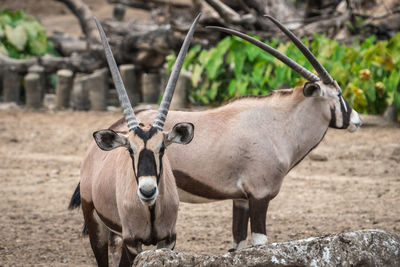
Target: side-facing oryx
[[127, 188], [244, 149]]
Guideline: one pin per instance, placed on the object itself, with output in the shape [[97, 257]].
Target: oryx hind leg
[[240, 221], [98, 233], [258, 213]]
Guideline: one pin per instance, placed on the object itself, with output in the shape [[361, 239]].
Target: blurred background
[[356, 41], [55, 91]]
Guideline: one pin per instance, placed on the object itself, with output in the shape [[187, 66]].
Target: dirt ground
[[356, 186]]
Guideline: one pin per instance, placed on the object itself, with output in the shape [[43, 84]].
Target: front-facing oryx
[[127, 188], [244, 149]]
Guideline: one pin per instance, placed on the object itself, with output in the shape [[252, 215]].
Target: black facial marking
[[145, 135], [147, 163], [161, 166], [345, 114], [332, 123]]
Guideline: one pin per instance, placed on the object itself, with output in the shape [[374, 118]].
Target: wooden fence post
[[64, 88], [79, 95], [11, 84], [39, 70], [151, 87], [129, 78], [97, 91], [180, 94], [33, 93]]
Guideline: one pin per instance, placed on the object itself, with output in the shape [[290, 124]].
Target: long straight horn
[[119, 85], [326, 78], [289, 62], [173, 78]]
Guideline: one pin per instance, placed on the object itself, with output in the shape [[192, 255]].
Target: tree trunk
[[85, 17]]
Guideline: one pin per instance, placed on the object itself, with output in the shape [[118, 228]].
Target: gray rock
[[360, 248]]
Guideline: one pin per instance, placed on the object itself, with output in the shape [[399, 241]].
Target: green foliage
[[22, 36], [368, 72]]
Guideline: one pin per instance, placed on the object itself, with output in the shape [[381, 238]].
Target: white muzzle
[[355, 121], [147, 190]]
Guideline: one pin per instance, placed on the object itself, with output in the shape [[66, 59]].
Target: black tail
[[75, 201]]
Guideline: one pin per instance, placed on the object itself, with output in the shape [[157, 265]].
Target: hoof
[[232, 250]]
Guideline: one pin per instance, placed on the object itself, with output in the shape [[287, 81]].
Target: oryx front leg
[[168, 243], [132, 248], [240, 221], [118, 255], [258, 213]]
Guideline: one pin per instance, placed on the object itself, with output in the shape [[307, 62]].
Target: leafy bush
[[368, 72], [22, 35]]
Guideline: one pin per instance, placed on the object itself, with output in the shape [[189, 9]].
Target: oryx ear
[[108, 140], [312, 90], [182, 133]]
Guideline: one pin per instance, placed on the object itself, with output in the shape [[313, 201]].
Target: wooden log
[[33, 92], [181, 90], [84, 62], [129, 78], [85, 16], [150, 4], [67, 44], [39, 70], [64, 88], [151, 87], [11, 84], [94, 84]]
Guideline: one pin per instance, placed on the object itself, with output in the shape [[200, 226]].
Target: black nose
[[148, 192]]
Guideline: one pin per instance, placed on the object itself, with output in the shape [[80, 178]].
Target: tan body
[[118, 205], [246, 139], [244, 149]]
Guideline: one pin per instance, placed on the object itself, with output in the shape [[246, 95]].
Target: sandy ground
[[357, 187]]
